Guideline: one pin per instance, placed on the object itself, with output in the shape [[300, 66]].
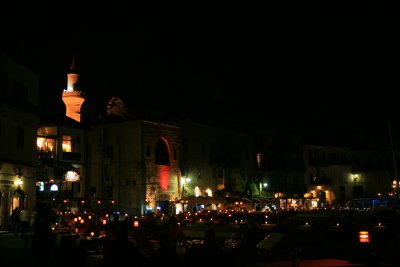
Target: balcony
[[72, 156], [45, 158]]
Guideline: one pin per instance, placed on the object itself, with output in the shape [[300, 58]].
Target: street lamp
[[355, 177], [261, 187], [395, 185], [184, 180]]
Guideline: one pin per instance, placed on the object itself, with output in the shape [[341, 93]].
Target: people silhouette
[[118, 250]]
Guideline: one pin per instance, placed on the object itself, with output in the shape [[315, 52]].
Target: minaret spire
[[72, 78], [72, 67], [72, 97]]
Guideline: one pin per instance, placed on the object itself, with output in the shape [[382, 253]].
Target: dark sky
[[228, 61]]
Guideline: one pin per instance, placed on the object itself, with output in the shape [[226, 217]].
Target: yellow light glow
[[39, 142], [363, 236], [72, 176], [66, 147], [209, 192]]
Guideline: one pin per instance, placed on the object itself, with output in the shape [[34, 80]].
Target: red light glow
[[164, 177]]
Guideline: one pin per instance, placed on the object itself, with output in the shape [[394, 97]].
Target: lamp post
[[355, 177], [395, 185], [261, 187]]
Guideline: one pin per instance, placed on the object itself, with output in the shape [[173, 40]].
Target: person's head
[[122, 233]]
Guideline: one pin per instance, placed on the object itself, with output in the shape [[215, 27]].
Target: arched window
[[161, 156]]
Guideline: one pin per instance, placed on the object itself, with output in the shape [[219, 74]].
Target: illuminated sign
[[363, 236], [72, 176], [54, 188]]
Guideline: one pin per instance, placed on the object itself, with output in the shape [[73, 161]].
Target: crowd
[[152, 242]]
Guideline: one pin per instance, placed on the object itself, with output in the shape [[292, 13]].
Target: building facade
[[134, 163], [339, 174], [19, 118], [60, 150]]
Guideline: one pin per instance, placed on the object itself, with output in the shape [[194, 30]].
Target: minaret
[[72, 97]]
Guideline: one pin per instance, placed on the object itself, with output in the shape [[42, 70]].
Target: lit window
[[70, 143], [45, 144], [259, 159]]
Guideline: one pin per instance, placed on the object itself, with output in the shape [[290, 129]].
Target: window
[[20, 137], [259, 159], [70, 144], [45, 144], [45, 148]]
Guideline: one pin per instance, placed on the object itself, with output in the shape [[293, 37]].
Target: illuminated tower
[[72, 97]]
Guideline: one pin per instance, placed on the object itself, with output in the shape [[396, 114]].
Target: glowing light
[[72, 176], [66, 147], [73, 102], [41, 186], [54, 187], [197, 191], [164, 177], [363, 237], [39, 142], [209, 192]]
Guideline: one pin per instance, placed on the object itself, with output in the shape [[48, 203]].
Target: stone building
[[135, 163], [19, 117]]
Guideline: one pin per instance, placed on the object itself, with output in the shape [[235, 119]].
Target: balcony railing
[[75, 156]]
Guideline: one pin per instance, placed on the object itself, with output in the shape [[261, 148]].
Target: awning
[[202, 200]]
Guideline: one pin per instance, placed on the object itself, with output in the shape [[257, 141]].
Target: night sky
[[329, 66]]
